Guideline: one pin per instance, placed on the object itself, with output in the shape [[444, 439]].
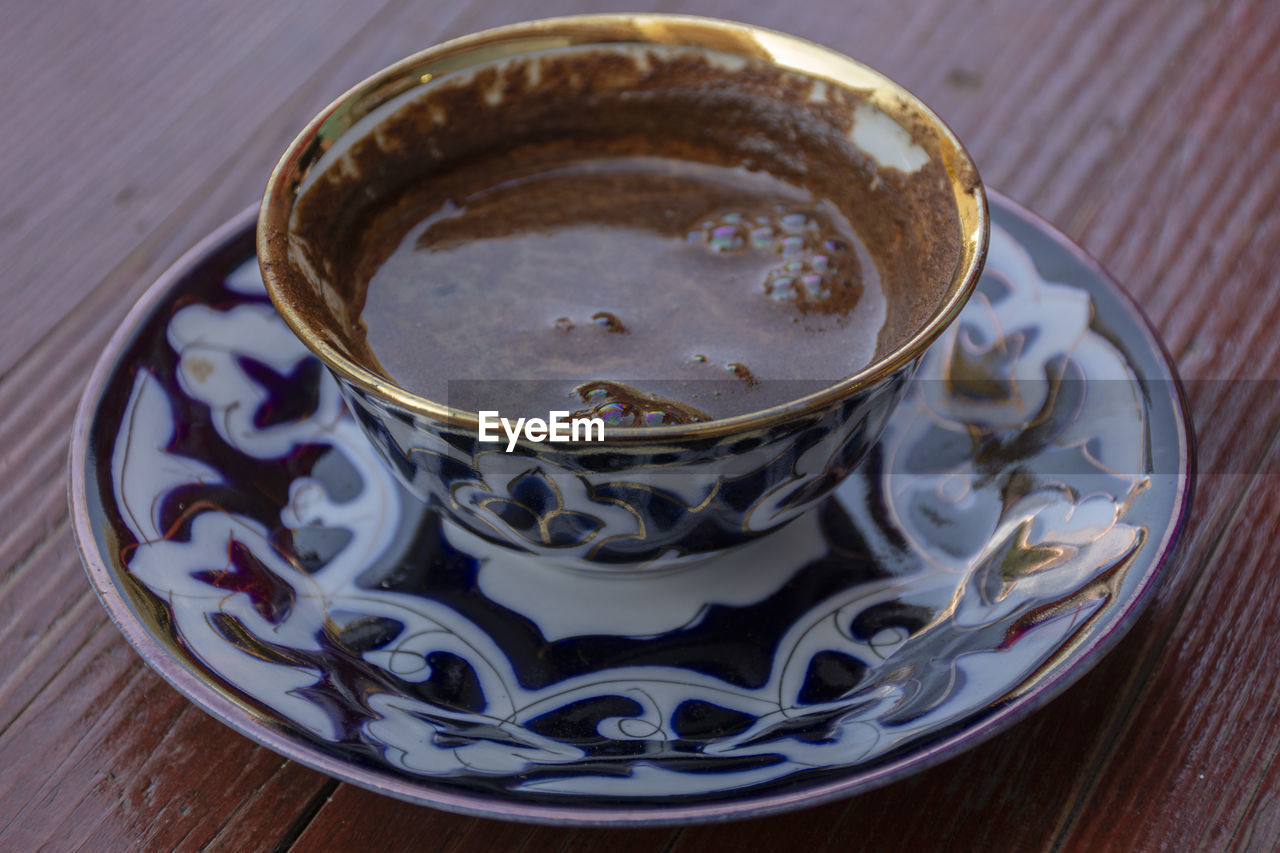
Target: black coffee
[[590, 228], [596, 285]]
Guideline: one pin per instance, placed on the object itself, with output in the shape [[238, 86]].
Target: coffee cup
[[856, 219]]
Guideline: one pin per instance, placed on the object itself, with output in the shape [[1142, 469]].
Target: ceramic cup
[[646, 497]]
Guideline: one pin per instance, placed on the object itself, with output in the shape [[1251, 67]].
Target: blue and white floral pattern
[[1021, 501]]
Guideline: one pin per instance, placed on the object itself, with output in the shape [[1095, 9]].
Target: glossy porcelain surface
[[1002, 535], [648, 497]]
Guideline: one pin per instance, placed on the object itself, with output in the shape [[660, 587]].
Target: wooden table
[[1148, 131]]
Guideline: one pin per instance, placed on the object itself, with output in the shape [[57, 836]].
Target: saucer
[[1002, 535]]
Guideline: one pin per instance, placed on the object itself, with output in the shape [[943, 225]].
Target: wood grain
[[157, 96], [1148, 131], [386, 824]]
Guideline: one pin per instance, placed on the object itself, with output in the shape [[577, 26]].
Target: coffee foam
[[530, 65]]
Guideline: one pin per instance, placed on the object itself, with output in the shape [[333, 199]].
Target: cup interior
[[620, 86]]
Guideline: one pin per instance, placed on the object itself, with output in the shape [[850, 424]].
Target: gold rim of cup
[[751, 42]]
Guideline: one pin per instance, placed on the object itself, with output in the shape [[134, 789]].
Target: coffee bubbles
[[671, 291], [620, 405], [815, 269], [609, 322]]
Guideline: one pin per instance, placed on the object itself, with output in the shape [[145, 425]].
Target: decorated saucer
[[1001, 536]]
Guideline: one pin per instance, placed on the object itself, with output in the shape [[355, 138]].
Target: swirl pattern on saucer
[[1010, 507]]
